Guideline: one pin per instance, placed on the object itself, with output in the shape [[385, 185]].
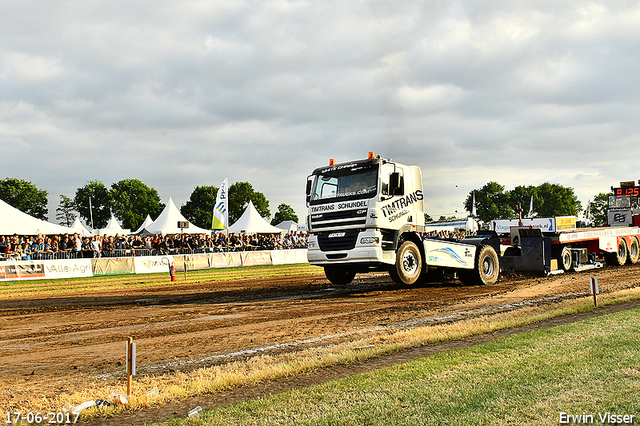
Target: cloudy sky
[[184, 93]]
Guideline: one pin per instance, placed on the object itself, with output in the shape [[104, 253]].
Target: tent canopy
[[146, 223], [252, 223], [291, 226], [13, 221], [113, 228], [167, 222], [80, 228]]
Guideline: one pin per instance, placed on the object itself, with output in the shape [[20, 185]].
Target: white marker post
[[131, 364], [595, 290]]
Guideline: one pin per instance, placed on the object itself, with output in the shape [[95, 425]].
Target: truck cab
[[368, 215]]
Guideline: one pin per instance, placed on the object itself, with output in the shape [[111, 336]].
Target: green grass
[[14, 289], [590, 367]]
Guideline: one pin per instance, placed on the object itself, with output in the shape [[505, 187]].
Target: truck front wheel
[[408, 264], [339, 275]]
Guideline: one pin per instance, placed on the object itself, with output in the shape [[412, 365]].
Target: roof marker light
[[371, 155], [332, 162]]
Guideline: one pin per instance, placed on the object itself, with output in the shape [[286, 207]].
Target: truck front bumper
[[368, 249]]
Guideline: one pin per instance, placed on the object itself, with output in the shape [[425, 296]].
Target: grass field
[[78, 285], [589, 369]]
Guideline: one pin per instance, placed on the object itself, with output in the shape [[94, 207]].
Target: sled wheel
[[634, 251], [618, 258]]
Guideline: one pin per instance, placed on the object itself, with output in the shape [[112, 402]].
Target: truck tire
[[618, 258], [564, 259], [486, 270], [634, 252], [408, 265], [339, 275]]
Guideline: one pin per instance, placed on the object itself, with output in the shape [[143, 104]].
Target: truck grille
[[340, 218], [338, 240]]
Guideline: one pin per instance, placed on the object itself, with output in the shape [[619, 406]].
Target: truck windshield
[[350, 183]]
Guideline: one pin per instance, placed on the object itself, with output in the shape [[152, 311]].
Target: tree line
[[493, 201], [131, 200]]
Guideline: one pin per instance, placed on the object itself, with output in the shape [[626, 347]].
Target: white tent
[[113, 228], [291, 226], [252, 223], [167, 222], [146, 223], [13, 221], [80, 228]]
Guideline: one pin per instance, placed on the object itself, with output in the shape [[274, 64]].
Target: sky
[[184, 93]]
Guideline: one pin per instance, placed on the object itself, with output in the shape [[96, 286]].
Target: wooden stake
[[131, 364], [595, 290]]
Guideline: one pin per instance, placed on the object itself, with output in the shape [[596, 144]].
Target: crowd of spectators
[[71, 246]]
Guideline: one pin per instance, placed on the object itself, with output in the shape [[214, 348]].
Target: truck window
[[345, 184]]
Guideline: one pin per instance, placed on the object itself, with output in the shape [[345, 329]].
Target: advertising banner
[[27, 270], [68, 268], [152, 264], [503, 226], [287, 257], [192, 262], [225, 260], [113, 266], [255, 258]]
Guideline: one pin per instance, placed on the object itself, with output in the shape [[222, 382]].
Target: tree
[[427, 218], [24, 196], [521, 195], [285, 212], [65, 212], [100, 203], [199, 208], [492, 202], [132, 200], [557, 200], [597, 211], [240, 193]]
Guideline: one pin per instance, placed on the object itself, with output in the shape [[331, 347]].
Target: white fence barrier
[[75, 268]]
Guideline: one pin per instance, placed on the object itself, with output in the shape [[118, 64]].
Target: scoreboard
[[627, 188]]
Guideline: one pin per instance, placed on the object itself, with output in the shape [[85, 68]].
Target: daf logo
[[361, 212], [337, 234]]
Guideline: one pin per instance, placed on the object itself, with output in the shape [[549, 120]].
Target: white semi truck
[[368, 215]]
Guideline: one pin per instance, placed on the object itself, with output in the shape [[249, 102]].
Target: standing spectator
[[96, 246]]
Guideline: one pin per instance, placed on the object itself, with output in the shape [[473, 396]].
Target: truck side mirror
[[308, 190], [395, 184]]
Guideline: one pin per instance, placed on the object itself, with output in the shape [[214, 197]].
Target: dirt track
[[49, 346]]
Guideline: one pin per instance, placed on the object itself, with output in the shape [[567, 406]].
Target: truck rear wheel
[[634, 251], [408, 264], [339, 275], [618, 258], [564, 260], [486, 270]]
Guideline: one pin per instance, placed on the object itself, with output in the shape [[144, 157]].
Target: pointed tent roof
[[146, 223], [291, 226], [167, 222], [113, 228], [79, 227], [13, 221], [252, 223]]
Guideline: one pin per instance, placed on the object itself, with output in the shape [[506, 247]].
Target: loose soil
[[54, 345]]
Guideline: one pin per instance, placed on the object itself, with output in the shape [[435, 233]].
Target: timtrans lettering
[[322, 208], [402, 203]]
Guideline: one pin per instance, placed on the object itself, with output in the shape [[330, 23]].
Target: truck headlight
[[311, 244], [369, 240]]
